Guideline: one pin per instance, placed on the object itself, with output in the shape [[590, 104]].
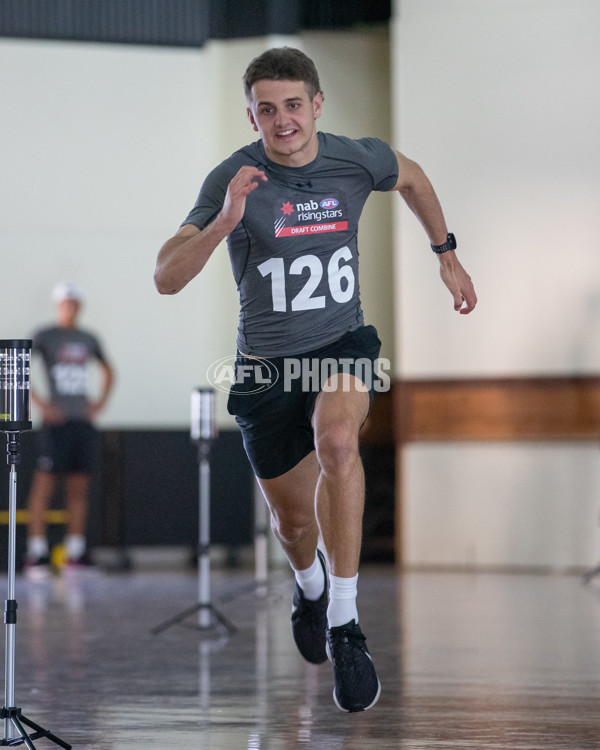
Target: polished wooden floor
[[502, 662]]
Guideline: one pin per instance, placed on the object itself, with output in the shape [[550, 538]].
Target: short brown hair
[[283, 64]]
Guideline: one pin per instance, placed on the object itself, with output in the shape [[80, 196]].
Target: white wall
[[102, 146], [499, 101], [502, 505], [103, 150]]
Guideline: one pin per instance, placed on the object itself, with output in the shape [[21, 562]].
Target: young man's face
[[285, 117], [67, 312]]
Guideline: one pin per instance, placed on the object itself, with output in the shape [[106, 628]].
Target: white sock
[[342, 600], [311, 580], [37, 546], [75, 544]]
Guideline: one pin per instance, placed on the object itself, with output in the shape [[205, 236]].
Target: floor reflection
[[466, 661]]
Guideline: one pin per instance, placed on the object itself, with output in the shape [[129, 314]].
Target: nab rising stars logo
[[310, 217]]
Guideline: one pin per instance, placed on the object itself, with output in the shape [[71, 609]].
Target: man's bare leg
[[327, 484], [40, 494], [291, 500], [37, 554], [337, 419], [76, 502]]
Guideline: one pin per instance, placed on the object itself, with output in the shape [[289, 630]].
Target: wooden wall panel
[[515, 409], [498, 409], [512, 409]]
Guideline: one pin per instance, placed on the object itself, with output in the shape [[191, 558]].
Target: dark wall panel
[[180, 22], [160, 22], [155, 498], [145, 491]]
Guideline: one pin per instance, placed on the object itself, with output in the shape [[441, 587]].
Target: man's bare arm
[[416, 189], [184, 255]]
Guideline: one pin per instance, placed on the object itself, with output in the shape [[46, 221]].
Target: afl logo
[[329, 203], [250, 374]]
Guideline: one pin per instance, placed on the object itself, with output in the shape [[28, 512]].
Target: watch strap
[[450, 244]]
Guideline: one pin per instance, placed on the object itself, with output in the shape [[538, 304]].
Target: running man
[[289, 206]]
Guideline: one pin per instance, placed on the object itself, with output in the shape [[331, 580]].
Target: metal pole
[[204, 614], [260, 541], [10, 614]]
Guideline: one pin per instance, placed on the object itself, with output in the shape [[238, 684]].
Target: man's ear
[[317, 104], [251, 118]]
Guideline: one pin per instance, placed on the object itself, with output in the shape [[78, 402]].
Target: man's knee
[[337, 448], [291, 529]]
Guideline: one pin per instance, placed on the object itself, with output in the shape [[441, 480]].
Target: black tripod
[[15, 357], [14, 721], [203, 433]]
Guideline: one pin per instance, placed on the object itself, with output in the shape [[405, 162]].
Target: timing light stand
[[203, 432], [15, 358]]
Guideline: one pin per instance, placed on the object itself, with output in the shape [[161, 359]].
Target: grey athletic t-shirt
[[66, 353], [294, 255]]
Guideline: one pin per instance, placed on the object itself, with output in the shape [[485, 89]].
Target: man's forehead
[[268, 90]]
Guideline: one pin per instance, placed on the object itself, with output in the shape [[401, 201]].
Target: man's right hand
[[244, 182], [458, 282], [183, 256]]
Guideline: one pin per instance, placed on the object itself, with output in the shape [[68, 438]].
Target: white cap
[[66, 290]]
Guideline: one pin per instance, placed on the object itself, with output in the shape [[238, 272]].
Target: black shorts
[[273, 399], [68, 448]]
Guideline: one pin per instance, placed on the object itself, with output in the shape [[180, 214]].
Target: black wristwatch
[[450, 244]]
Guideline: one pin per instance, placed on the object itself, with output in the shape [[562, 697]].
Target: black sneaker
[[356, 685], [309, 622]]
